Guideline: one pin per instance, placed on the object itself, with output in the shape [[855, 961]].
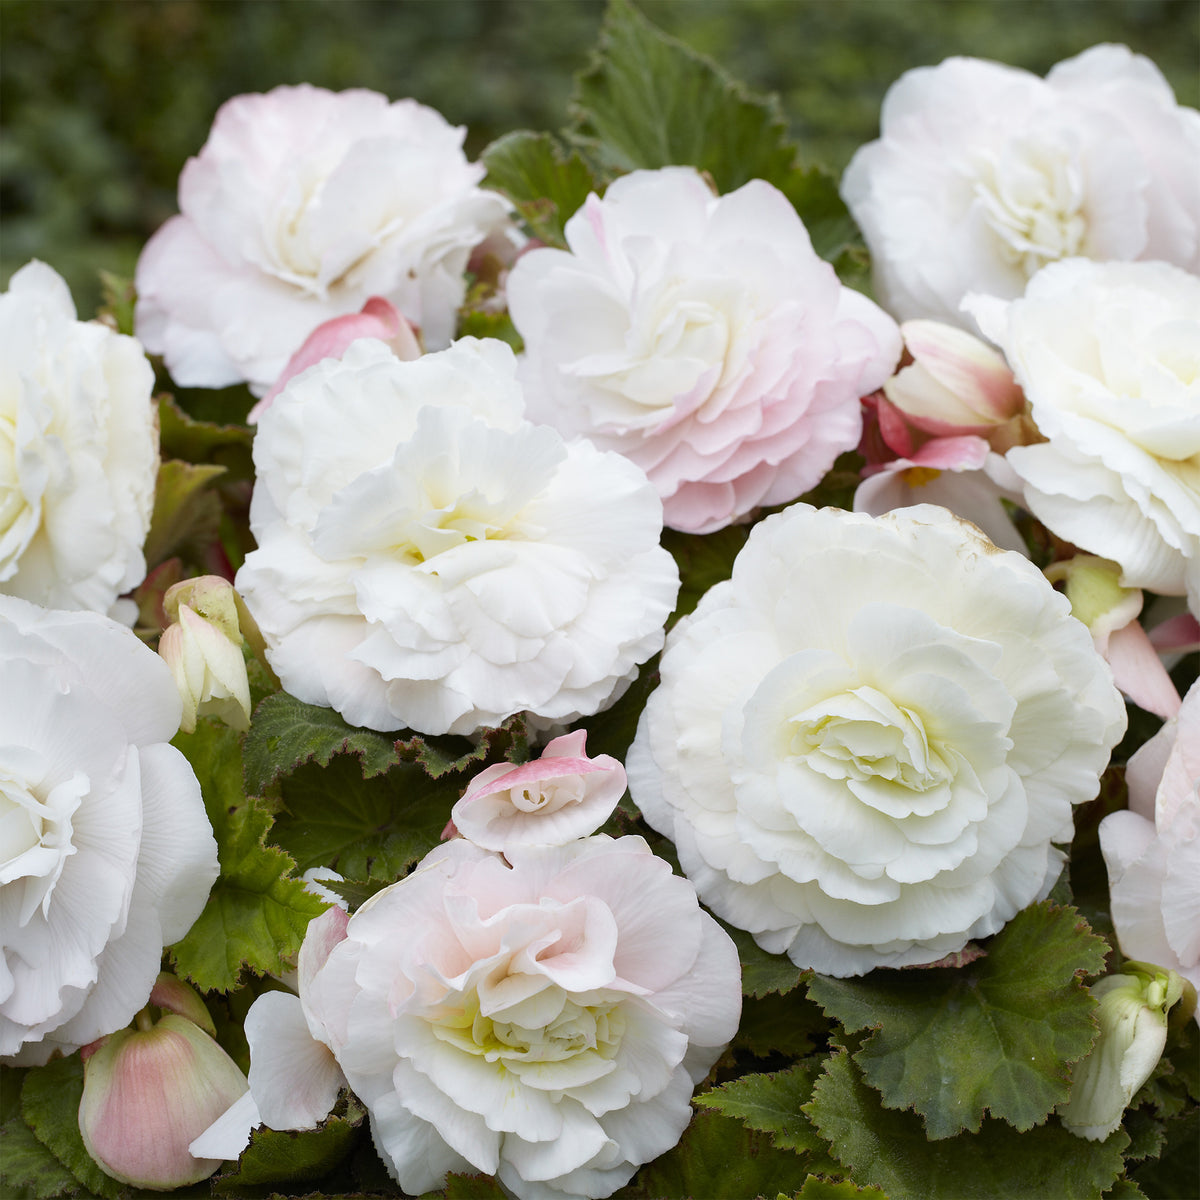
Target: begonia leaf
[[286, 732], [649, 101], [50, 1099], [363, 828], [186, 515], [780, 1024], [816, 1188], [294, 1155], [1125, 1189], [438, 756], [182, 436], [771, 1104], [546, 184], [888, 1149], [996, 1035], [1176, 1171], [762, 973], [612, 731], [472, 1187], [717, 1156], [257, 912], [118, 298], [28, 1169]]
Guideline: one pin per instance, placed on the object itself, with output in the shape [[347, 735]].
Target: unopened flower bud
[[956, 384], [203, 648], [1133, 1032], [148, 1092]]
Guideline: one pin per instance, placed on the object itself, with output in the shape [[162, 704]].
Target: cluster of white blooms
[[428, 558], [78, 450], [867, 741]]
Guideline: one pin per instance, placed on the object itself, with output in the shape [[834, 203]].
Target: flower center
[[862, 735], [22, 820], [574, 1030], [1031, 195]]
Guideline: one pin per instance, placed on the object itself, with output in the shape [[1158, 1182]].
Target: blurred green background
[[102, 101]]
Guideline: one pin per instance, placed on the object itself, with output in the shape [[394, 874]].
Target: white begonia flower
[[1109, 357], [552, 800], [106, 852], [1133, 1034], [702, 337], [985, 173], [1152, 851], [429, 559], [302, 204], [78, 450], [203, 648], [543, 1019], [866, 742]]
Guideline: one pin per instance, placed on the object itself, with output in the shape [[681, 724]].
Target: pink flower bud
[[147, 1092], [378, 319], [203, 648], [956, 384]]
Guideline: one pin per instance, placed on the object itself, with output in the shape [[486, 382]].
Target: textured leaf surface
[[702, 561], [363, 828], [816, 1188], [472, 1187], [717, 1156], [293, 1156], [50, 1099], [185, 514], [888, 1149], [762, 973], [286, 732], [545, 182], [771, 1104], [182, 436], [648, 100], [438, 756], [257, 912], [28, 1169], [996, 1035], [780, 1024]]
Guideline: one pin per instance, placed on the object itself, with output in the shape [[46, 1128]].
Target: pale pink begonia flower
[[561, 796], [984, 173], [301, 205], [378, 319], [955, 385], [702, 337], [1152, 850]]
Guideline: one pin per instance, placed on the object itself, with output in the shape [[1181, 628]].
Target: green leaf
[[480, 324], [546, 184], [780, 1024], [816, 1188], [257, 913], [647, 100], [182, 436], [612, 731], [185, 513], [996, 1035], [50, 1105], [472, 1187], [293, 1156], [771, 1104], [889, 1150], [286, 732], [717, 1156], [118, 298], [702, 561], [1176, 1172], [28, 1169], [1125, 1189], [363, 828], [762, 972], [438, 756]]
